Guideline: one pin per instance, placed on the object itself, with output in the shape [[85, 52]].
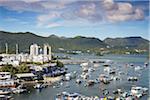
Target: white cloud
[[87, 10], [46, 20], [108, 4], [47, 17], [53, 5], [125, 12], [30, 1], [125, 8], [92, 11], [139, 14]]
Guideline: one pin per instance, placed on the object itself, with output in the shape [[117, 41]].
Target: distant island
[[124, 45]]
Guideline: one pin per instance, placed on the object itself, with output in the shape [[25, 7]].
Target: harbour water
[[120, 62]]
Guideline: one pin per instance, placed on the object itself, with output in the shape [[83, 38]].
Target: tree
[[9, 68], [59, 64], [13, 70], [23, 69]]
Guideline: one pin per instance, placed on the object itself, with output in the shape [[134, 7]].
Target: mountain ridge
[[25, 39]]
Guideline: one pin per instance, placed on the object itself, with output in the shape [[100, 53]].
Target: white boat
[[97, 81], [5, 97], [146, 64], [18, 90], [4, 92], [107, 69], [96, 65], [84, 64], [39, 86], [90, 82], [85, 75], [91, 69], [78, 81], [85, 69], [132, 78], [105, 79], [138, 91], [7, 83], [67, 77], [74, 96], [115, 78], [137, 68]]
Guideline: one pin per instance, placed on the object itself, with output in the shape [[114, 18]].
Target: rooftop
[[25, 75]]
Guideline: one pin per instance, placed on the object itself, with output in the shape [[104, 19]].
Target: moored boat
[[132, 78], [5, 97], [4, 92], [78, 81], [138, 91], [39, 86]]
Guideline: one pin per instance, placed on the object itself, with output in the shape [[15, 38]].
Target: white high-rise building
[[47, 51], [34, 49]]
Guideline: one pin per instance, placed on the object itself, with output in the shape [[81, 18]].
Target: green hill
[[24, 40], [128, 42]]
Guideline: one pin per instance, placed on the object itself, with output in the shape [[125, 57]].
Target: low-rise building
[[5, 75], [26, 76]]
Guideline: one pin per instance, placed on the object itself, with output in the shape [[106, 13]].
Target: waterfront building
[[47, 51], [5, 75], [17, 49], [26, 76], [37, 54], [6, 80], [7, 83], [10, 60], [34, 50]]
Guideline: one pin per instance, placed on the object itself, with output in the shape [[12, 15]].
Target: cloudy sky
[[92, 18]]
